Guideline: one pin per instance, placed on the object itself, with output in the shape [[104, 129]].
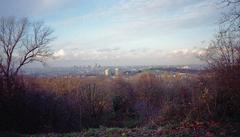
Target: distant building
[[186, 67], [111, 72], [106, 72], [116, 71]]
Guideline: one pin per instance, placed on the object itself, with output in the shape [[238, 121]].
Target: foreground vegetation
[[211, 129], [143, 105]]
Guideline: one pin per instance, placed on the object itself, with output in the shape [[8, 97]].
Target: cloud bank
[[117, 56]]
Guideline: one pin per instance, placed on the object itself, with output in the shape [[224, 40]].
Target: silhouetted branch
[[22, 42]]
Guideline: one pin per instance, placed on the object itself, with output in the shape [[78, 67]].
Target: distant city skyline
[[123, 32]]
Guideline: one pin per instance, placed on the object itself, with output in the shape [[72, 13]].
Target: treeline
[[147, 100]]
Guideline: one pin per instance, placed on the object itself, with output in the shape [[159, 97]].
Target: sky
[[122, 32]]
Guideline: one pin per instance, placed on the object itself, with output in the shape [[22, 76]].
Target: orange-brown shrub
[[63, 104]]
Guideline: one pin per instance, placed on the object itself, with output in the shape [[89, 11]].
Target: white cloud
[[194, 52], [142, 23], [117, 56], [150, 13], [59, 54], [147, 31]]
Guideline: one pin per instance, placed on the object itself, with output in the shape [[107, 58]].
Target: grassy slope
[[191, 130]]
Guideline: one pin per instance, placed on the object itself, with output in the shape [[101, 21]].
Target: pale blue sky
[[123, 32]]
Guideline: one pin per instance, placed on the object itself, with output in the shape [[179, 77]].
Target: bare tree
[[223, 51], [22, 42], [231, 16], [223, 59]]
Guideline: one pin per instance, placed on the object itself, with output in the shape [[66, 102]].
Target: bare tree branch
[[231, 17], [22, 42], [223, 52]]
